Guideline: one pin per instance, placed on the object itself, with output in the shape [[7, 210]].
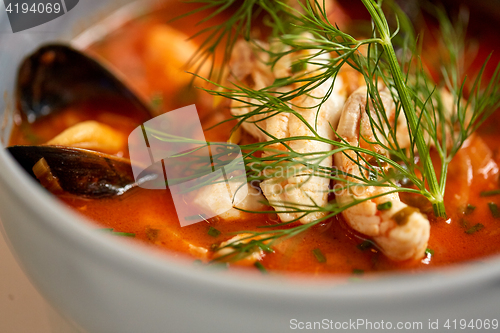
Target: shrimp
[[402, 232], [297, 188]]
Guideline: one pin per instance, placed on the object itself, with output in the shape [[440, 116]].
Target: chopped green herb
[[385, 206], [157, 100], [152, 234], [260, 267], [474, 229], [124, 234], [489, 193], [213, 232], [401, 217], [214, 247], [464, 223], [320, 257], [117, 233], [469, 209], [299, 67], [358, 271], [429, 252], [494, 209], [365, 245]]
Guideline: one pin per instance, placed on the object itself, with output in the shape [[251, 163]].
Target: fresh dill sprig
[[237, 25], [433, 122]]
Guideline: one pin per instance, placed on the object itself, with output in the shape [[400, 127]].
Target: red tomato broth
[[140, 211]]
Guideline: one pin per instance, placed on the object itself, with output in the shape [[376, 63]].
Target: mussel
[[57, 76], [77, 171]]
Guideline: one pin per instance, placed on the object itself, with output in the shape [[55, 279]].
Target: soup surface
[[151, 54]]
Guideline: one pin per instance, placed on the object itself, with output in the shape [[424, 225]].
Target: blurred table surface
[[22, 308]]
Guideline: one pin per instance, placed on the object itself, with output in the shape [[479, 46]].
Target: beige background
[[22, 309]]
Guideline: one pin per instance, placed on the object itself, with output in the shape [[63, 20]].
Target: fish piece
[[247, 66], [256, 255], [214, 199], [91, 135], [307, 187]]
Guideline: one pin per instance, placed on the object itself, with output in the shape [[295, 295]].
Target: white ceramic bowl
[[107, 285]]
